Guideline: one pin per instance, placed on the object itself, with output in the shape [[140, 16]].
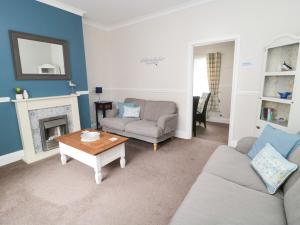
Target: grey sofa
[[157, 122], [228, 192]]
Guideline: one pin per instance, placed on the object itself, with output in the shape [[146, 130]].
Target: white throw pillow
[[272, 167], [132, 112]]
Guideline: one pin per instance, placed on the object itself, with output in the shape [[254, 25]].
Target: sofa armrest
[[245, 144], [168, 123]]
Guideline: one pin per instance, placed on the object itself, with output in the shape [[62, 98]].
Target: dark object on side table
[[98, 91], [103, 106]]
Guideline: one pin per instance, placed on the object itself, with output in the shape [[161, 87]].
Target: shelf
[[276, 122], [278, 100], [284, 53], [44, 98], [285, 73]]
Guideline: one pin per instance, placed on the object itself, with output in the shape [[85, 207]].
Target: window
[[200, 84]]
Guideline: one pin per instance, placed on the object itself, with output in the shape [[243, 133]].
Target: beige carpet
[[146, 192], [214, 132]]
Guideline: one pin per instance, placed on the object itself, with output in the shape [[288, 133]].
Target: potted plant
[[19, 93]]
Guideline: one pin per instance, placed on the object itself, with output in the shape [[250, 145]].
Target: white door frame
[[189, 111]]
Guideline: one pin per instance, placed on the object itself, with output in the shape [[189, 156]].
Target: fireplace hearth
[[51, 128]]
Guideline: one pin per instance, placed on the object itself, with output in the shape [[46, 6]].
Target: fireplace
[[51, 128]]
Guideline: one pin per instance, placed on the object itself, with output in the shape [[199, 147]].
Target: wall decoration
[[152, 60]]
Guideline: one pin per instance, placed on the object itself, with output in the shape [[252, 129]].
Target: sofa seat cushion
[[213, 200], [145, 128], [117, 123], [234, 166]]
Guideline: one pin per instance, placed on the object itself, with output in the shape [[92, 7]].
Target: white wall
[[227, 55], [98, 64], [257, 22]]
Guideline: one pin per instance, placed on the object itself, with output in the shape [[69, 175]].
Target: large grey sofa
[[157, 122], [229, 192]]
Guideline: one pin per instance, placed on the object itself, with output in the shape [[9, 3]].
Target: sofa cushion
[[215, 201], [156, 109], [292, 204], [139, 102], [282, 141], [145, 128], [295, 158], [121, 105], [116, 122], [234, 166], [272, 167], [132, 112]]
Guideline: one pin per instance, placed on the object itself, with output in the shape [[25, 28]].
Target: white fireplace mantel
[[25, 105]]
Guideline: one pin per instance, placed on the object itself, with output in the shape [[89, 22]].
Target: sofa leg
[[155, 147]]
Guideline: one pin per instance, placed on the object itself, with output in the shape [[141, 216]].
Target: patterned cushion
[[120, 107], [272, 167], [131, 112]]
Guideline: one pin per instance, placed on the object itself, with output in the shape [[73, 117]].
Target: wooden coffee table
[[94, 154]]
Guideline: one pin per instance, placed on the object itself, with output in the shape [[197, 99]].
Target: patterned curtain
[[213, 73]]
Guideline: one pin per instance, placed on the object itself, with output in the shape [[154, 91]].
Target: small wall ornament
[[152, 60]]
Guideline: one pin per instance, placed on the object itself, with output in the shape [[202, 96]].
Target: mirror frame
[[14, 35]]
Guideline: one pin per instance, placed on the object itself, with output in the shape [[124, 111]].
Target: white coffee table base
[[94, 161]]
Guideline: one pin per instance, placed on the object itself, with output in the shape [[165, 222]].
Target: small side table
[[103, 106]]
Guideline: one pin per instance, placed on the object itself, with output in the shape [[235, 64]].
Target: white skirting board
[[181, 134], [11, 157], [218, 120]]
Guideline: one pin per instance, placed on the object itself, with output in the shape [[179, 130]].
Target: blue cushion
[[282, 141], [272, 167], [120, 107]]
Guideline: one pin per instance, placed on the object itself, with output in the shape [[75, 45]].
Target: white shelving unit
[[285, 112]]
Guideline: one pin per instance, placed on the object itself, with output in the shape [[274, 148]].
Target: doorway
[[213, 83]]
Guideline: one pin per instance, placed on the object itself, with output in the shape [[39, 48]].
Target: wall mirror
[[40, 58]]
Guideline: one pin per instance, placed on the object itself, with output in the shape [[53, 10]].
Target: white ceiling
[[114, 13]]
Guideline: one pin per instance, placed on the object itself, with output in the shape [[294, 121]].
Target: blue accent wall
[[34, 17]]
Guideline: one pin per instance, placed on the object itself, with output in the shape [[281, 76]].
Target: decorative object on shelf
[[268, 114], [281, 120], [284, 95], [72, 86], [25, 94], [286, 67], [152, 61], [98, 91], [89, 136], [19, 93]]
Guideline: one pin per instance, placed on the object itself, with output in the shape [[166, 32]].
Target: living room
[[139, 56]]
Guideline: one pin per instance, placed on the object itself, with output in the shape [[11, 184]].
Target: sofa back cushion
[[292, 204], [139, 102], [156, 109], [295, 158]]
